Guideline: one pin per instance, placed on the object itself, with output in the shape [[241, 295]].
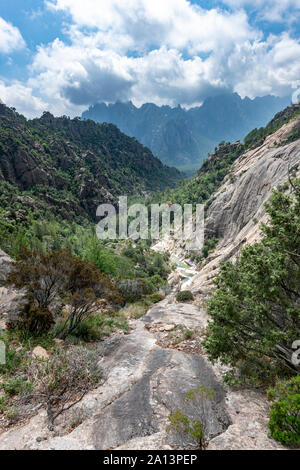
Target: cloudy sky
[[63, 55]]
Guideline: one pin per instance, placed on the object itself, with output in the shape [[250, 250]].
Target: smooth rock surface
[[12, 302], [5, 263], [40, 353], [143, 385], [185, 314]]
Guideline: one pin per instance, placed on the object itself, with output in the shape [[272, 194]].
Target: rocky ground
[[147, 378], [236, 210]]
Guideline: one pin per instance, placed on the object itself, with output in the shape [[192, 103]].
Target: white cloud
[[270, 10], [161, 51], [82, 76], [10, 38], [22, 98], [138, 50], [140, 24]]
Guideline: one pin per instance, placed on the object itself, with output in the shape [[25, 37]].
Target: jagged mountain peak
[[182, 137]]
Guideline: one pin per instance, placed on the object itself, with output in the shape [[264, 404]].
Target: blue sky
[[63, 55]]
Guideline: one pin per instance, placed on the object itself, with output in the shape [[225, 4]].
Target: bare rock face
[[143, 384], [237, 209], [12, 301], [5, 262], [188, 315], [249, 413]]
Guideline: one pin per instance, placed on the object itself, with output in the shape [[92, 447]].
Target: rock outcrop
[[70, 166], [12, 301], [237, 210], [144, 383], [5, 263]]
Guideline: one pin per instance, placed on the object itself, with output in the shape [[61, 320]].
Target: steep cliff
[[234, 183], [236, 210]]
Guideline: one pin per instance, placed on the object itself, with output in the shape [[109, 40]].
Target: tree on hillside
[[255, 308], [61, 278]]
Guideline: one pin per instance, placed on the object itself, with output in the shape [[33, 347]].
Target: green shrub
[[284, 421], [136, 310], [63, 380], [209, 246], [57, 275], [196, 429], [184, 296], [133, 290], [255, 306], [155, 298], [13, 358], [104, 260], [17, 386], [178, 422], [90, 330], [189, 334]]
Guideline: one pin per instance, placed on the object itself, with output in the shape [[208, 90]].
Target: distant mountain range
[[181, 137]]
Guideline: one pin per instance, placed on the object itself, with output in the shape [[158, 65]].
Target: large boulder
[[12, 302], [5, 264], [40, 353]]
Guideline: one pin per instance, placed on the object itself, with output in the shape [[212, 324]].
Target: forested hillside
[[70, 166]]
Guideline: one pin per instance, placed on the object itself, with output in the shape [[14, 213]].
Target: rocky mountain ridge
[[181, 137], [236, 210]]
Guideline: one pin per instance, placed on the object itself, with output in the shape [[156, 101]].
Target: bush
[[196, 429], [95, 327], [180, 423], [104, 260], [209, 246], [255, 308], [184, 296], [59, 276], [63, 380], [284, 421], [132, 290], [136, 310], [35, 320], [16, 386], [89, 330]]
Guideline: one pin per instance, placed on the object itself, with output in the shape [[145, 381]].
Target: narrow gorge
[[146, 374]]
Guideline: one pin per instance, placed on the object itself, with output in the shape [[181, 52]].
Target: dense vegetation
[[284, 421], [71, 166], [184, 296], [255, 309], [255, 312]]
